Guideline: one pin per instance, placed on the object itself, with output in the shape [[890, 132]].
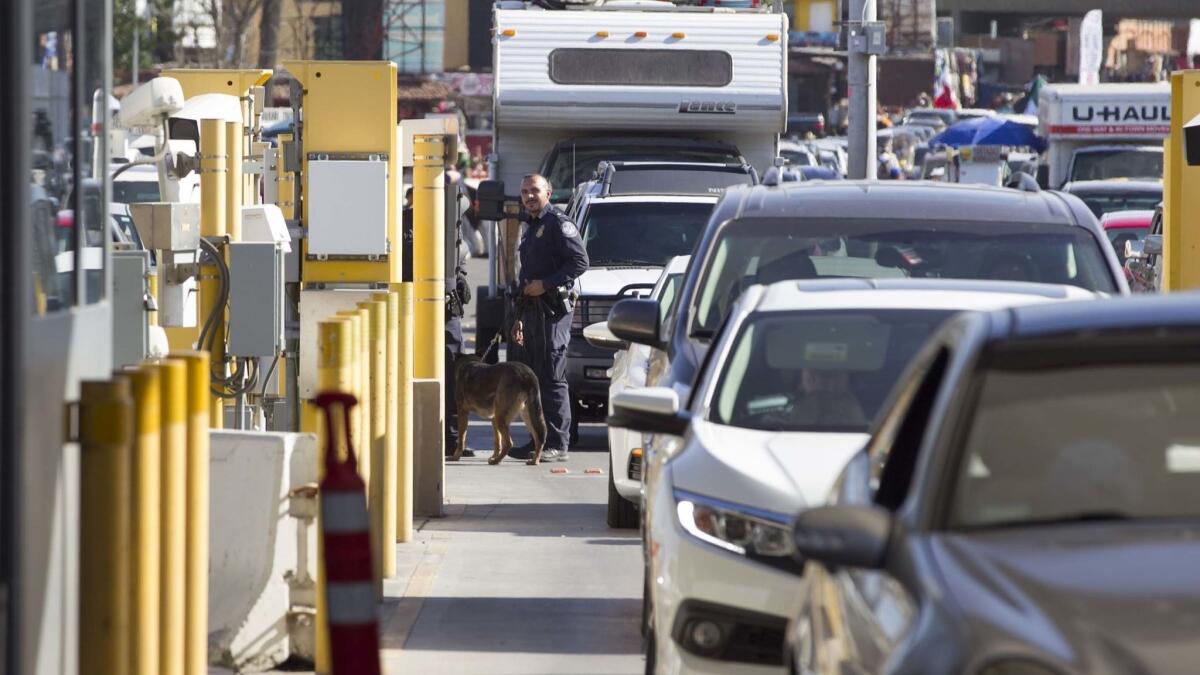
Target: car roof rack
[[671, 178]]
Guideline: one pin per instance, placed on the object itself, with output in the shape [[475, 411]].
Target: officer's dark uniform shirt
[[552, 251]]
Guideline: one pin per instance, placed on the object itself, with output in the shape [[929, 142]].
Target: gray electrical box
[[167, 226], [255, 299], [131, 304]]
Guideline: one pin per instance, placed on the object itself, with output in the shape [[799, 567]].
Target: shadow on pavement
[[532, 520], [531, 625]]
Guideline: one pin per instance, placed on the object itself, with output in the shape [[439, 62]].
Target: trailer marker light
[[509, 32], [772, 37], [678, 35], [640, 34], [601, 33]]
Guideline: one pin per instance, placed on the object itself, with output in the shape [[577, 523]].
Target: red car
[[1123, 226]]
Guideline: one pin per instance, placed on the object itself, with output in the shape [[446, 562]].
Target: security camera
[[1191, 141], [152, 102]]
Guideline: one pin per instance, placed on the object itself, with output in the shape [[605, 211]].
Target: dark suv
[[869, 229]]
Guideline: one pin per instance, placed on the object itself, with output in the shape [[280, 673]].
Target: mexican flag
[[1031, 95]]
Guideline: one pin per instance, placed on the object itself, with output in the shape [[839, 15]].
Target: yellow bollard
[[404, 405], [359, 419], [147, 505], [195, 596], [234, 187], [173, 375], [1181, 199], [336, 370], [386, 468], [429, 259], [106, 460], [374, 444], [212, 224]]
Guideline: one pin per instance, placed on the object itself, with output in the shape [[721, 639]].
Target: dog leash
[[491, 345]]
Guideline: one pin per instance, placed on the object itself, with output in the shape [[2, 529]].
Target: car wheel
[[622, 514]]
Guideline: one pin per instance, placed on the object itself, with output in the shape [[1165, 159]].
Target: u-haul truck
[[1085, 124], [626, 80]]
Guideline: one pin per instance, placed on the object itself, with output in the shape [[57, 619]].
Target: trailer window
[[642, 67]]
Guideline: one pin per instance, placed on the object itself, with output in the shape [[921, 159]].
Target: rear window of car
[[1112, 441], [763, 251], [642, 67]]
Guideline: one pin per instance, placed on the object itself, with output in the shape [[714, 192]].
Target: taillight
[[65, 218]]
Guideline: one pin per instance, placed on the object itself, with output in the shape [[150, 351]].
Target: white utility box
[[347, 207], [167, 226]]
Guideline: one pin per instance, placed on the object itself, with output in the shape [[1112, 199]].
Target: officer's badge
[[540, 231], [569, 229]]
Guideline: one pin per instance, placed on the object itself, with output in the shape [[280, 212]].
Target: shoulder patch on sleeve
[[569, 229]]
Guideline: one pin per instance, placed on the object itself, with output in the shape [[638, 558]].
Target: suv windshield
[[642, 233], [1102, 165], [569, 167], [1095, 442], [818, 371], [763, 251]]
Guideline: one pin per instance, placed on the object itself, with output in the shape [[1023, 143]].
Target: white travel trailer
[[629, 80]]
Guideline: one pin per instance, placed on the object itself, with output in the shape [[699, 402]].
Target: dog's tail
[[537, 421]]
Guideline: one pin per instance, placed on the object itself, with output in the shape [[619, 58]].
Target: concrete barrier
[[262, 549]]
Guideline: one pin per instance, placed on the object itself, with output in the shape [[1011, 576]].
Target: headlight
[[742, 530]]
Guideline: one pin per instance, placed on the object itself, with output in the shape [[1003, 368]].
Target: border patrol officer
[[552, 258]]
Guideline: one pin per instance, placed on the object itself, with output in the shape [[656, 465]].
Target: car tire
[[622, 514]]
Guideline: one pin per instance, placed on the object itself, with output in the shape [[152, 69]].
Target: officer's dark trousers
[[454, 344], [545, 352]]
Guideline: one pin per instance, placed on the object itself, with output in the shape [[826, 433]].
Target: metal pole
[[212, 224], [106, 452], [173, 375], [861, 82], [376, 442], [195, 594], [147, 526], [385, 468], [336, 371], [404, 454], [429, 260]]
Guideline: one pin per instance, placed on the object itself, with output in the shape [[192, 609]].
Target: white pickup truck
[[1103, 131]]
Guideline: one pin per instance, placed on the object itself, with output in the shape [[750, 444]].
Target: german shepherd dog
[[498, 393]]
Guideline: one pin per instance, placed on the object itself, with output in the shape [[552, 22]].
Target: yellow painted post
[[212, 224], [356, 384], [429, 260], [173, 376], [377, 354], [105, 524], [404, 404], [234, 185], [1181, 190], [386, 468], [336, 370], [195, 595], [147, 505]]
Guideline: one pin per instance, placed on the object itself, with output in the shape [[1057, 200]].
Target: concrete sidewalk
[[522, 576]]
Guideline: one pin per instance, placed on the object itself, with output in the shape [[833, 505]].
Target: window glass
[[767, 251], [91, 206], [642, 233], [53, 150], [1102, 165], [642, 67], [818, 370], [1102, 204], [133, 191], [1095, 442], [666, 301], [569, 166]]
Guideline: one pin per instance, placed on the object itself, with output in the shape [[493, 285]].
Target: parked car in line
[[1026, 504], [935, 117], [1124, 226], [1144, 258], [633, 218], [633, 366], [785, 398], [1118, 194]]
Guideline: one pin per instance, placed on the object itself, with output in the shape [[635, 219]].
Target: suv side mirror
[[1152, 244], [854, 536], [489, 200], [1191, 141], [598, 335], [636, 320]]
